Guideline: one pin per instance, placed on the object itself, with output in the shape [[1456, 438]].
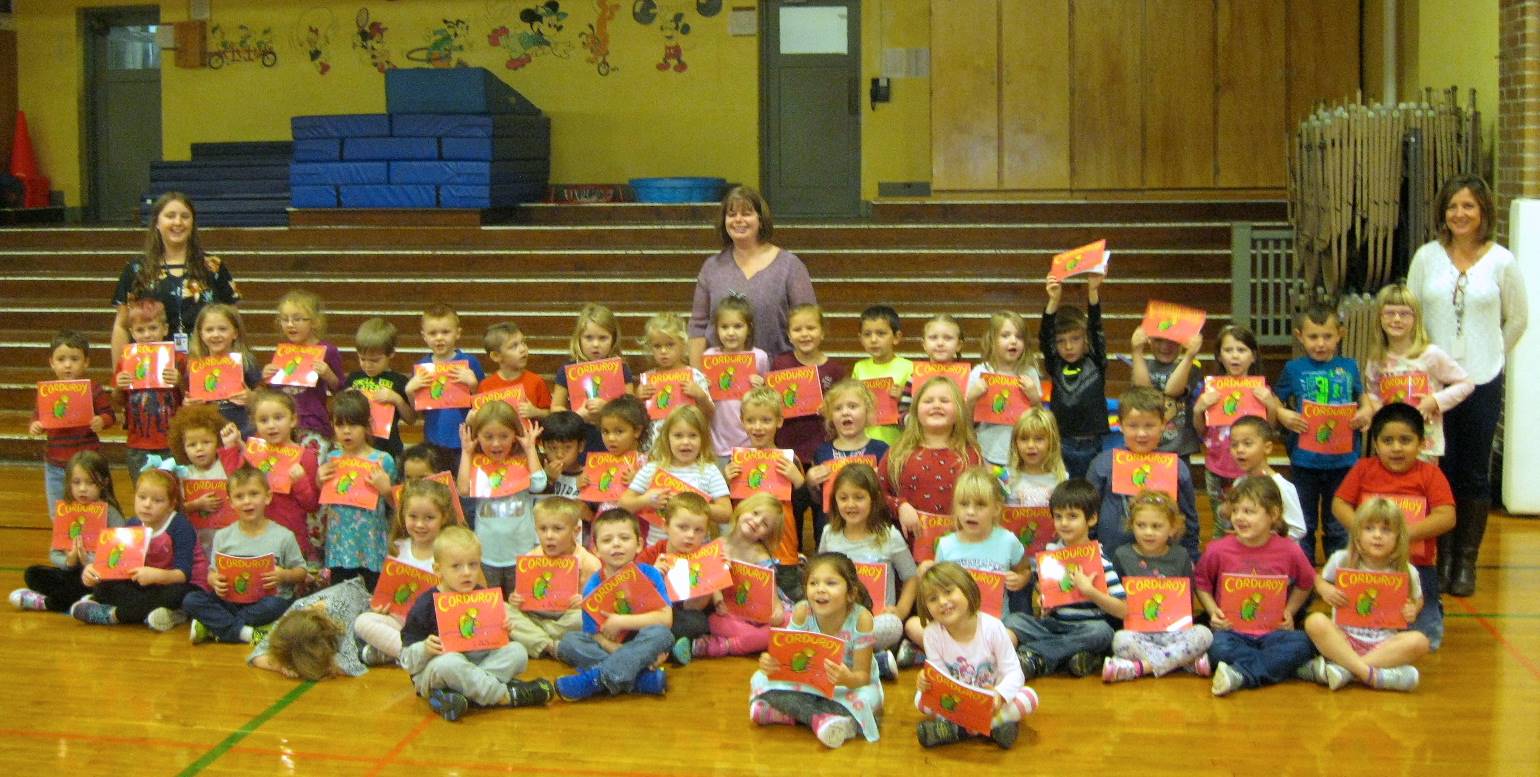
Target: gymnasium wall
[[1454, 44]]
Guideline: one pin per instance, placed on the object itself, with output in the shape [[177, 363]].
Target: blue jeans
[[1078, 453], [1056, 640], [1317, 487], [1262, 660], [225, 619], [618, 670], [53, 486], [1430, 621]]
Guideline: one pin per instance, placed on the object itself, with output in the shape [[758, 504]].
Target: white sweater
[[1494, 304]]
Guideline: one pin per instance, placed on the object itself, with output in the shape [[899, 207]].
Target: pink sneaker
[[710, 647], [1201, 667], [763, 714], [1116, 670]]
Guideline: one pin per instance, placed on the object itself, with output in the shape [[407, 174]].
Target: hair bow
[[156, 461]]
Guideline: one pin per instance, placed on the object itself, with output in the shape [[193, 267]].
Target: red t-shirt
[[1369, 477], [535, 389]]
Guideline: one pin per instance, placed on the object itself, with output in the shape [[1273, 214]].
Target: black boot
[[1470, 527], [1445, 559]]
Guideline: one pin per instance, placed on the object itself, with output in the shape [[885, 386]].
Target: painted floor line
[[241, 733], [422, 725], [1523, 660]]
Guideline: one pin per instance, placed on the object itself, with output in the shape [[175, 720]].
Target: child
[[1075, 636], [57, 585], [507, 349], [1173, 371], [941, 338], [846, 407], [221, 333], [862, 527], [919, 471], [836, 604], [1154, 522], [251, 536], [618, 657], [1396, 470], [207, 447], [424, 512], [624, 429], [147, 412], [1251, 444], [1143, 411], [441, 331], [1378, 658], [1005, 352], [561, 448], [683, 449], [558, 522], [376, 345], [688, 528], [803, 435], [503, 524], [314, 640], [1323, 377], [69, 358], [301, 321], [273, 416], [1236, 354], [420, 461], [357, 537], [1075, 355], [761, 414], [734, 323], [1037, 461], [751, 539], [1256, 548], [1403, 349], [880, 335], [596, 336], [153, 593], [451, 682], [972, 647], [664, 338]]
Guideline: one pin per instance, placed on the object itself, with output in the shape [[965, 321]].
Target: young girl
[[273, 416], [1403, 349], [936, 446], [504, 525], [57, 585], [301, 321], [1236, 354], [425, 510], [734, 322], [1155, 523], [314, 640], [153, 593], [219, 332], [941, 339], [1258, 547], [837, 604], [862, 527], [1005, 352], [972, 647], [206, 447], [1037, 461], [356, 537], [846, 407], [664, 337], [596, 336], [752, 538], [804, 434], [683, 449], [624, 428]]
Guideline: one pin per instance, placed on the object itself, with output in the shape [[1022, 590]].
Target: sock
[[245, 633]]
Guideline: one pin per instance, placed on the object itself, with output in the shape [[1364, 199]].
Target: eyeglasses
[[1459, 303]]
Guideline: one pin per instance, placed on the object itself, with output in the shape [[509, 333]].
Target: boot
[[1470, 527], [1445, 559]]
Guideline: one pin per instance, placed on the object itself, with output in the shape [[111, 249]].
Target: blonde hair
[[309, 303], [1158, 501], [305, 641], [455, 538], [1380, 510], [669, 325], [943, 576], [570, 511], [1397, 294], [375, 334], [978, 484], [496, 413], [943, 318], [685, 503], [839, 389], [435, 493], [1039, 421], [602, 317], [960, 441], [684, 414], [997, 322], [762, 396], [237, 343], [776, 519], [440, 311]]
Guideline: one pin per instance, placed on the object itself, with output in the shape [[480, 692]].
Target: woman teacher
[[175, 270]]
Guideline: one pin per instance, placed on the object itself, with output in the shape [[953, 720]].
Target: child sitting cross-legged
[[558, 521]]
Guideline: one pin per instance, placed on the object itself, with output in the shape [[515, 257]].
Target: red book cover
[[144, 363], [991, 591], [874, 578], [626, 592], [382, 416], [1374, 599], [1089, 258], [296, 364], [752, 594], [968, 706], [1157, 604], [700, 573], [957, 372], [547, 583], [217, 519], [120, 551], [604, 475], [1032, 525], [802, 654], [760, 472], [1002, 402], [670, 387], [78, 520], [64, 404], [1408, 387], [510, 395], [603, 379], [932, 529], [835, 465], [1328, 428], [243, 575], [664, 479], [801, 393], [1169, 321], [727, 374], [491, 479], [213, 378], [444, 391], [1236, 398], [1135, 472], [399, 586], [275, 461], [350, 486], [475, 620], [448, 480], [1054, 581], [885, 406], [1253, 604], [1415, 510]]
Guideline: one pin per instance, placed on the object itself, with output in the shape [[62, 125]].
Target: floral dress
[[863, 703], [357, 538]]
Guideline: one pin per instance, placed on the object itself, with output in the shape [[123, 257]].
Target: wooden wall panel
[[1323, 51], [1106, 121], [964, 94], [1251, 128], [1178, 94], [1034, 94]]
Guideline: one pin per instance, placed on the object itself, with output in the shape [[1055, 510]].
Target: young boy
[[1076, 636], [506, 348], [686, 518], [69, 358], [251, 536], [1171, 371], [451, 682], [376, 344], [1075, 355], [562, 440], [1323, 377], [803, 435], [1251, 443], [618, 658], [147, 412], [880, 335], [441, 331], [558, 521], [1143, 413]]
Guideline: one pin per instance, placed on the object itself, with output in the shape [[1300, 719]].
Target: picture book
[[884, 404], [670, 385], [752, 593], [382, 418], [955, 371], [399, 586], [547, 583], [350, 485], [1089, 258], [700, 573], [275, 461], [218, 518], [801, 393], [494, 479], [802, 656], [1002, 402], [1408, 387], [1253, 604], [1328, 428], [670, 482], [296, 364], [1374, 599], [932, 528], [626, 592], [510, 395], [604, 379], [120, 551], [1157, 604], [759, 471], [1054, 581], [145, 362], [243, 576], [968, 706], [874, 578], [215, 378], [1170, 321], [443, 390], [1032, 525], [64, 404], [728, 374], [604, 472], [78, 520], [991, 591], [474, 620], [1135, 472], [1236, 398]]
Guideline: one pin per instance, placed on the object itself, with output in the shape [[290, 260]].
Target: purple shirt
[[773, 291]]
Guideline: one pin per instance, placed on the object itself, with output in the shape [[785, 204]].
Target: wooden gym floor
[[128, 701]]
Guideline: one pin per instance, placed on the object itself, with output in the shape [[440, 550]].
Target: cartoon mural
[[313, 35], [534, 35], [369, 40], [672, 25], [445, 45], [249, 46], [596, 41]]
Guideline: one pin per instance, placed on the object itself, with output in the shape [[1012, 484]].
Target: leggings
[[803, 707], [134, 602], [60, 587]]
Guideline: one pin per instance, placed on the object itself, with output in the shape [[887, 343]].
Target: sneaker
[[164, 619], [652, 682], [1005, 734], [1201, 667], [530, 693], [909, 655], [450, 705], [88, 610], [683, 652], [1032, 664], [938, 731], [371, 656], [1395, 678], [762, 714], [708, 647], [197, 633], [887, 666], [1084, 664], [28, 599], [258, 633], [1226, 680], [1116, 670], [580, 686], [834, 730]]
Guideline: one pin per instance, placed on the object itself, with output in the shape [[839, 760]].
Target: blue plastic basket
[[678, 189]]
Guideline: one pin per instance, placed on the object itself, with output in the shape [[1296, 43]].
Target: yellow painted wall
[[1455, 44], [895, 137]]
